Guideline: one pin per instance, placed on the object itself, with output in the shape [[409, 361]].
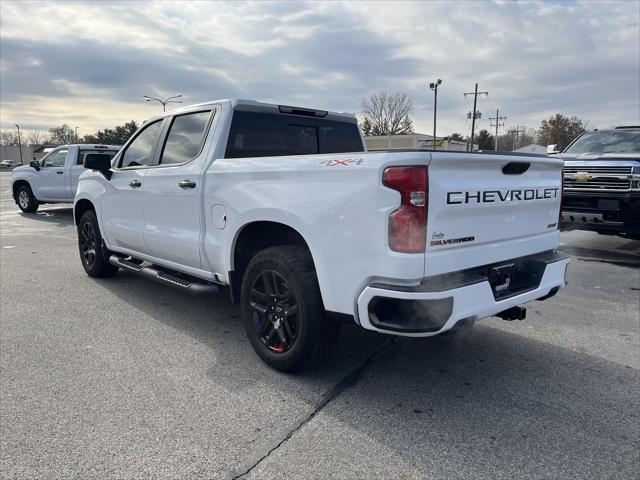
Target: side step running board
[[184, 283]]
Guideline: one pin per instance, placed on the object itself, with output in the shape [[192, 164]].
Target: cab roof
[[242, 104]]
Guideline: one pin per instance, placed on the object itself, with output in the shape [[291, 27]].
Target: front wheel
[[282, 309], [26, 200], [94, 260]]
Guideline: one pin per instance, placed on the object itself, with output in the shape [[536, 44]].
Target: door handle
[[135, 183], [59, 172], [187, 184]]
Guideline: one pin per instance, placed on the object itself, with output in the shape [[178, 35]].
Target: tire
[[26, 200], [282, 310], [93, 255]]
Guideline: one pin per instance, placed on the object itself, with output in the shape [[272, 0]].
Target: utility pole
[[517, 131], [434, 86], [476, 114], [497, 124], [19, 143]]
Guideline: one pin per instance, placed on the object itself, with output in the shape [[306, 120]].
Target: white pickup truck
[[54, 178], [283, 207]]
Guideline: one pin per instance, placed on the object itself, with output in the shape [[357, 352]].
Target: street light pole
[[163, 102], [76, 134], [19, 143], [434, 86]]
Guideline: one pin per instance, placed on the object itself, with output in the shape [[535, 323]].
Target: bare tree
[[388, 113], [515, 137], [8, 137], [62, 135], [36, 137]]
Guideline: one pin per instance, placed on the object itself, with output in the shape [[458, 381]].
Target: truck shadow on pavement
[[603, 248], [62, 216], [477, 405]]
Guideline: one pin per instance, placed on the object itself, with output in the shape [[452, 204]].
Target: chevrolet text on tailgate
[[283, 207]]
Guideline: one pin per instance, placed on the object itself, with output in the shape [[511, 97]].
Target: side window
[[185, 138], [56, 159], [140, 152]]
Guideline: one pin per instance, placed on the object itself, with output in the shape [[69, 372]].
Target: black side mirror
[[100, 162], [34, 164]]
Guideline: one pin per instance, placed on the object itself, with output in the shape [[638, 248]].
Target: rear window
[[255, 134], [83, 153]]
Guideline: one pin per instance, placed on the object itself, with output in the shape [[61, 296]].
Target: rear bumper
[[444, 300]]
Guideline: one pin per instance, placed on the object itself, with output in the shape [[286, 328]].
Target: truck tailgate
[[484, 208]]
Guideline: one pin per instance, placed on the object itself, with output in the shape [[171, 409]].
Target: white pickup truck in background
[[54, 178], [283, 207]]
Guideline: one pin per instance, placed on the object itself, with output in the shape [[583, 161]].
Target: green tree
[[113, 136], [560, 129], [388, 113], [485, 140], [457, 137], [365, 126]]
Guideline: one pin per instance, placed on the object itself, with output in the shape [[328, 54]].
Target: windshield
[[611, 141]]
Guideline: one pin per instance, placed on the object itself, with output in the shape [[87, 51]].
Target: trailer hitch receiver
[[513, 313]]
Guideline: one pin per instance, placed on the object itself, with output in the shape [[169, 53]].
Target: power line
[[476, 114], [497, 118], [517, 131]]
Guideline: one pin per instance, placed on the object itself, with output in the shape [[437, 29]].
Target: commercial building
[[414, 141]]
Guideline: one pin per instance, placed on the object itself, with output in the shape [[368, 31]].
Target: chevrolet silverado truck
[[602, 182], [284, 208], [54, 178]]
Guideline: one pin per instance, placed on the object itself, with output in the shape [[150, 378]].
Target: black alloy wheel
[[88, 244], [274, 311], [93, 255], [282, 309]]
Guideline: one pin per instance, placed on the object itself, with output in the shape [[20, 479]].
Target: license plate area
[[513, 278], [500, 278]]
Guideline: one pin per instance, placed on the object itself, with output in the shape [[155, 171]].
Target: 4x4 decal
[[342, 162]]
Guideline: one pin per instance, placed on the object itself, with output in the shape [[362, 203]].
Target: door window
[[185, 138], [56, 159], [140, 152]]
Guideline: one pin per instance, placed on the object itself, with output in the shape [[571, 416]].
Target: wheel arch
[[83, 205], [19, 183], [254, 237]]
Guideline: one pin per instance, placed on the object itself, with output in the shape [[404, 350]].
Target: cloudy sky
[[88, 64]]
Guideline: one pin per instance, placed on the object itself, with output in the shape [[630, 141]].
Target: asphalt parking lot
[[130, 379]]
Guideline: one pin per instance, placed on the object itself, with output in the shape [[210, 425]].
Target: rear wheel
[[26, 200], [282, 309], [92, 254]]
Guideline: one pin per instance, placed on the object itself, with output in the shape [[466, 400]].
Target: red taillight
[[408, 223]]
